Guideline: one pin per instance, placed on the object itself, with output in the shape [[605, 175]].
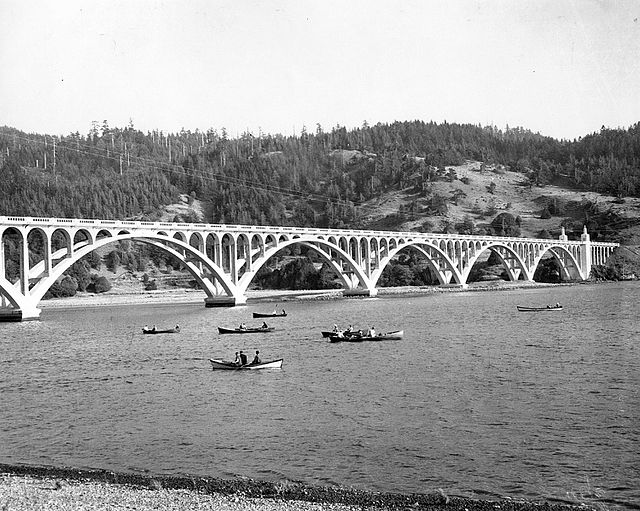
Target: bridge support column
[[24, 266], [585, 254]]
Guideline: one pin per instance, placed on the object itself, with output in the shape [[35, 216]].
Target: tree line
[[314, 178]]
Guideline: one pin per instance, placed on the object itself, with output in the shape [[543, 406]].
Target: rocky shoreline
[[37, 487]]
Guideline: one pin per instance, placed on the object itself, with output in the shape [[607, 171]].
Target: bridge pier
[[224, 301], [360, 292], [11, 315]]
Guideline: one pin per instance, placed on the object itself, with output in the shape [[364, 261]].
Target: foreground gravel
[[31, 488]]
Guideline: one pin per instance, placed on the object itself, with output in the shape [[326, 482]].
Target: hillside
[[511, 193]]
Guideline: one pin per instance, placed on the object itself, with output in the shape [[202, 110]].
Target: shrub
[[80, 272], [102, 285], [65, 288], [94, 260], [113, 261], [505, 225], [151, 285]]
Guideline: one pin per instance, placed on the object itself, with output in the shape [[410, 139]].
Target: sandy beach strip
[[268, 295], [30, 488]]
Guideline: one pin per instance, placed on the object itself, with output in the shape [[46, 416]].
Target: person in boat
[[283, 313], [145, 328], [335, 328], [177, 328], [154, 328], [558, 305], [237, 360], [264, 324], [256, 359], [243, 358], [350, 329], [371, 332], [243, 326]]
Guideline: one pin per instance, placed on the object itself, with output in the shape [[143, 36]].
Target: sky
[[563, 68]]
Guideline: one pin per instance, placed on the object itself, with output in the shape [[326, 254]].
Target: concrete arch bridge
[[224, 259]]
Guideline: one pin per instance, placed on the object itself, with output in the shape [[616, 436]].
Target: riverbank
[[269, 295], [31, 488]]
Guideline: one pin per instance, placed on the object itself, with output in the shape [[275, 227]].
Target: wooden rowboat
[[230, 366], [539, 309], [270, 314], [174, 330], [389, 336], [257, 330]]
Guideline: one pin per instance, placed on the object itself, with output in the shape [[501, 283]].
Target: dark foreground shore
[[36, 488]]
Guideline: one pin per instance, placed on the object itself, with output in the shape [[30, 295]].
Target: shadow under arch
[[314, 244]]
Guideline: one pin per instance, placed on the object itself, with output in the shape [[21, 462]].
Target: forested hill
[[314, 178]]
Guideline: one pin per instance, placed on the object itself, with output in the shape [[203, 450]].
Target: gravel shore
[[30, 488]]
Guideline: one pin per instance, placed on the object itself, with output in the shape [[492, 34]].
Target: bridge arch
[[437, 259], [510, 259], [321, 247], [567, 261], [164, 244]]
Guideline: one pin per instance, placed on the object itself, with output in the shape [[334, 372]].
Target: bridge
[[224, 259]]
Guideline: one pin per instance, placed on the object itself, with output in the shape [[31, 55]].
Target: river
[[477, 400]]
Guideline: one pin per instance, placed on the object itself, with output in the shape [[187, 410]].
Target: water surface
[[477, 399]]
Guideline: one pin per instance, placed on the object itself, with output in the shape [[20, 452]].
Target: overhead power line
[[117, 157]]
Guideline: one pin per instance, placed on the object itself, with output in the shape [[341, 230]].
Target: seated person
[[256, 359]]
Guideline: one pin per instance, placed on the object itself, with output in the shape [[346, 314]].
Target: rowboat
[[282, 314], [539, 309], [257, 330], [346, 333], [174, 330], [230, 366], [389, 336]]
